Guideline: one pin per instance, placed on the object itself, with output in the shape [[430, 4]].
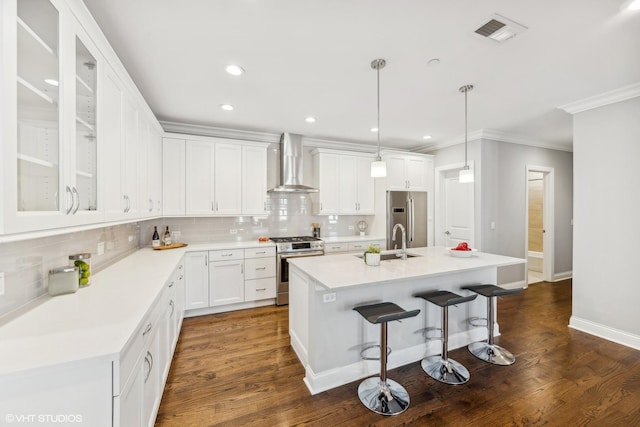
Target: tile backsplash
[[26, 263]]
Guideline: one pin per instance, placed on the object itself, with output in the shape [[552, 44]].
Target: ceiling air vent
[[500, 29]]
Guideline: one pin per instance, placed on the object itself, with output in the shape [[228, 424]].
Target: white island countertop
[[344, 271]]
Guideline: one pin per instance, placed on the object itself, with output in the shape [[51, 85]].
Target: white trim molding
[[495, 135], [611, 97], [606, 332]]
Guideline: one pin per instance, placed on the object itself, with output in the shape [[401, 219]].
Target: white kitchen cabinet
[[213, 178], [407, 171], [346, 246], [362, 245], [149, 169], [196, 265], [226, 277], [260, 273], [49, 129], [173, 177], [345, 183], [254, 180], [327, 180]]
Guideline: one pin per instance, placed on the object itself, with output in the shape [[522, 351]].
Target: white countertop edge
[[355, 238]]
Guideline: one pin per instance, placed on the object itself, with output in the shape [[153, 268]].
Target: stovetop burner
[[294, 239]]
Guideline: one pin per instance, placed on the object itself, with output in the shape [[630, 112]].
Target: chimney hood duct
[[291, 166]]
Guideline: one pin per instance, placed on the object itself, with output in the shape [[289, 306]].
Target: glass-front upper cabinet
[[38, 106], [86, 153], [49, 89]]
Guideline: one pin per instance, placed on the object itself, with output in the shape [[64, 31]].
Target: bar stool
[[380, 394], [488, 350], [440, 367]]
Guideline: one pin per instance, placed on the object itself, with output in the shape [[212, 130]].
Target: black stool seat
[[441, 367], [384, 312], [381, 394], [491, 290], [444, 298], [488, 350]]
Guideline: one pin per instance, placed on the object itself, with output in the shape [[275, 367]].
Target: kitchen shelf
[[85, 124], [84, 174], [35, 161], [35, 90], [83, 88], [35, 36]]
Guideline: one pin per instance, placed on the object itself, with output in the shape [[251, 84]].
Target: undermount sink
[[391, 256]]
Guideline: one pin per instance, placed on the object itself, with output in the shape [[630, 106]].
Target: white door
[[457, 210]]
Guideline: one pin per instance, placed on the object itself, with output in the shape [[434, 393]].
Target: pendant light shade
[[466, 174], [378, 166]]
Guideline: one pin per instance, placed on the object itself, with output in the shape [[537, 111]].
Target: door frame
[[439, 211], [548, 238]]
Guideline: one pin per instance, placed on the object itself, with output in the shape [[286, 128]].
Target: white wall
[[606, 284], [501, 198]]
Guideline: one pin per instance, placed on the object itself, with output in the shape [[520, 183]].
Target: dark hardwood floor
[[237, 369]]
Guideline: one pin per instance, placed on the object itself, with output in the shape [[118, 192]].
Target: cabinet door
[[365, 184], [327, 167], [348, 188], [199, 178], [111, 112], [228, 179], [128, 406], [173, 176], [129, 163], [396, 178], [254, 180], [151, 393], [196, 265], [226, 282], [155, 169], [416, 170]]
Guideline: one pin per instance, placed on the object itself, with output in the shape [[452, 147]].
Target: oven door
[[282, 274]]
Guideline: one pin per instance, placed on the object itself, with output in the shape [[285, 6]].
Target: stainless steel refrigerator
[[409, 209]]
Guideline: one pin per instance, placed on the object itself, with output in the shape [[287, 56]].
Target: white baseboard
[[514, 285], [606, 332], [318, 382], [562, 276], [231, 307]]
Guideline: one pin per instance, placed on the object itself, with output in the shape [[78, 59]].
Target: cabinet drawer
[[226, 255], [255, 290], [260, 252], [257, 268], [363, 245], [335, 247], [140, 340]]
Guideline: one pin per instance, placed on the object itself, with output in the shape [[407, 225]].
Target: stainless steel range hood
[[291, 166]]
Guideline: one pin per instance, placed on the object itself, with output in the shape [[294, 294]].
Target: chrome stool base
[[491, 353], [384, 398], [446, 371]]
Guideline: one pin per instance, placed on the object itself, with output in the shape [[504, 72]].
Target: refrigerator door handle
[[410, 231]]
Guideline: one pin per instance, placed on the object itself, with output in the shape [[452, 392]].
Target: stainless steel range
[[292, 247]]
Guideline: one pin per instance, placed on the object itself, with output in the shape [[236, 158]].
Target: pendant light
[[378, 167], [466, 174]]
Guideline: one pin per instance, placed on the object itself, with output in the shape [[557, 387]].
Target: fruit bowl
[[462, 254]]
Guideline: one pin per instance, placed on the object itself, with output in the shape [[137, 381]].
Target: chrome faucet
[[404, 240]]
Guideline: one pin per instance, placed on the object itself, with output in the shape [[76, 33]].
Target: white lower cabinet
[[358, 246], [225, 280]]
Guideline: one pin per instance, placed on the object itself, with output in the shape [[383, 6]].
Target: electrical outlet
[[493, 225], [1, 283], [351, 227], [130, 239], [233, 231], [329, 297], [100, 250]]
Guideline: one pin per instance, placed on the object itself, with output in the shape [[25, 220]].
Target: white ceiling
[[312, 57]]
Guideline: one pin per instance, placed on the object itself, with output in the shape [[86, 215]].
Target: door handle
[[68, 190], [447, 232], [74, 191]]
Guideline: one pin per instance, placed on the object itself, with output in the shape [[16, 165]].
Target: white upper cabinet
[[407, 171], [49, 124], [173, 176], [227, 175], [345, 183], [254, 180]]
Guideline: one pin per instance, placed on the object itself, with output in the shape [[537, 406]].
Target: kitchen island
[[328, 336]]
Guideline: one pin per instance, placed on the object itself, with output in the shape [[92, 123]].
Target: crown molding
[[496, 135], [199, 130], [606, 98]]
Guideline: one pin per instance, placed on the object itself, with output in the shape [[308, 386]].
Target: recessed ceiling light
[[374, 129], [633, 5], [226, 107], [52, 82], [310, 119], [234, 70], [426, 137]]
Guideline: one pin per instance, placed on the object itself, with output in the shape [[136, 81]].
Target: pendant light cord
[[465, 127], [378, 79]]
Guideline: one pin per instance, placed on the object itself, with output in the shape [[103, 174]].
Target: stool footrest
[[369, 347]]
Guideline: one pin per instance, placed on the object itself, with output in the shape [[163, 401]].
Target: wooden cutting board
[[171, 246]]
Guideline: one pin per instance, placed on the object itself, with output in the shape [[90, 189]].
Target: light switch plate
[[100, 248]]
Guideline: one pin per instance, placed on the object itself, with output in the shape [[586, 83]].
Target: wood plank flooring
[[237, 369]]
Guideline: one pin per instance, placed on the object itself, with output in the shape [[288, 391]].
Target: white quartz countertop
[[344, 271], [358, 238], [228, 245]]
